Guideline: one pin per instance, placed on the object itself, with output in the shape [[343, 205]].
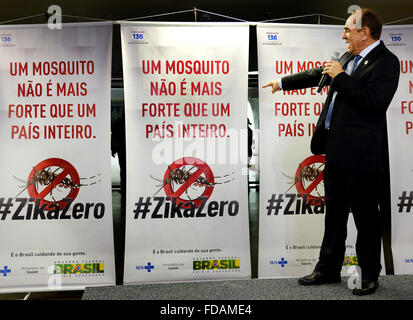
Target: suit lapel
[[343, 61], [372, 55], [370, 58], [345, 58]]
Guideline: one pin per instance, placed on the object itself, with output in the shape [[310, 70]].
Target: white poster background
[[160, 248], [399, 39], [290, 236], [31, 245]]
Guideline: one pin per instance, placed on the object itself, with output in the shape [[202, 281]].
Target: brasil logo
[[350, 261], [225, 264], [79, 268]]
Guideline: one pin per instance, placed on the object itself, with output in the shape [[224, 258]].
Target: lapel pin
[[365, 62]]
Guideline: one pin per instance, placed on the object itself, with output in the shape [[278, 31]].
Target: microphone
[[325, 77]]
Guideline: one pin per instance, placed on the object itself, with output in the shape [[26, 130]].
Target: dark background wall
[[208, 10]]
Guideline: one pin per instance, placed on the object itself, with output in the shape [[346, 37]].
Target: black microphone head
[[335, 56], [323, 80]]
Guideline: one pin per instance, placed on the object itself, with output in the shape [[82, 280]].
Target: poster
[[399, 40], [292, 208], [186, 139], [55, 198]]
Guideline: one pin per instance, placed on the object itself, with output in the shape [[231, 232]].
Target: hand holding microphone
[[331, 69]]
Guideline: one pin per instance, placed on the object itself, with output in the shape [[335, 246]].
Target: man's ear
[[366, 34]]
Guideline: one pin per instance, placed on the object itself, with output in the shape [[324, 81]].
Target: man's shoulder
[[391, 54], [387, 53], [382, 55]]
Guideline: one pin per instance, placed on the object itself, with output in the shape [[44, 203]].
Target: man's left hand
[[332, 68]]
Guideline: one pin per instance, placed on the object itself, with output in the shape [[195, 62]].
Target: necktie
[[356, 59]]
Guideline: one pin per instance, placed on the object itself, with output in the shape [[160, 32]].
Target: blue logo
[[5, 39], [408, 260], [281, 262], [148, 267], [137, 36], [272, 37], [396, 38], [5, 271]]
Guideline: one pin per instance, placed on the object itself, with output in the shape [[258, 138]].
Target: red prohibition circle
[[68, 169], [203, 168], [299, 183]]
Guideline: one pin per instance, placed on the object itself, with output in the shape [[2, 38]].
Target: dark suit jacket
[[357, 138]]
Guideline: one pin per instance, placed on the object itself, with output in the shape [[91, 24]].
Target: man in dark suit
[[351, 132]]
